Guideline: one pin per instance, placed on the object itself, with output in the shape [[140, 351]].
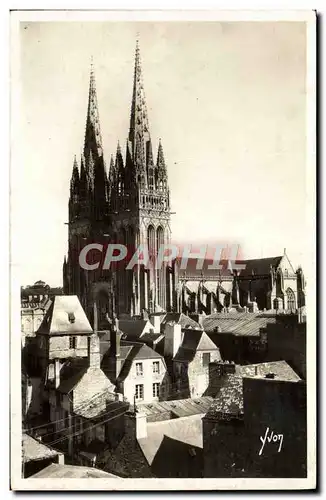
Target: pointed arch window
[[151, 178], [290, 299], [151, 240]]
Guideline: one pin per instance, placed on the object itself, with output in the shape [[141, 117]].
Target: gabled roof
[[65, 316], [192, 342], [187, 430], [139, 352], [34, 450], [134, 328], [229, 399], [206, 344], [71, 373], [180, 319]]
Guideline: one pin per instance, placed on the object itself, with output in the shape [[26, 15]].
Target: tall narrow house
[[130, 205]]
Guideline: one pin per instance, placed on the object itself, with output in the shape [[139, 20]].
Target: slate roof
[[229, 399], [64, 316], [192, 342], [71, 471], [134, 327], [281, 370], [178, 408], [260, 267], [71, 373], [191, 268], [180, 319], [152, 338], [138, 351], [106, 350], [34, 450], [238, 323], [186, 430]]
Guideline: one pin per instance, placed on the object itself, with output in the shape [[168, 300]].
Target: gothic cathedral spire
[[93, 139], [139, 143]]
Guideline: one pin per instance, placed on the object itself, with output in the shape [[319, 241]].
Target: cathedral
[[129, 203]]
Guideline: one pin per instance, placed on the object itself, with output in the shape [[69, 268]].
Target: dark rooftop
[[238, 323], [229, 399]]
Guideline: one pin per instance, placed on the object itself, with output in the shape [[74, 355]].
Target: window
[[291, 299], [139, 391], [156, 367], [206, 358], [72, 342], [71, 317], [156, 390], [139, 368]]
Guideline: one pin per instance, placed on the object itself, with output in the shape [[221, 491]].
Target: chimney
[[116, 341], [95, 327], [222, 368], [135, 425], [57, 373], [155, 319], [94, 357], [173, 339]]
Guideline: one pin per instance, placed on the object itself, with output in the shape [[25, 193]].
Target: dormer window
[[71, 317]]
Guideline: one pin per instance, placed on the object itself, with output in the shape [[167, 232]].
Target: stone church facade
[[130, 204]]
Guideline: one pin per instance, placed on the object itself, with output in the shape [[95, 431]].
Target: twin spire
[[139, 158]]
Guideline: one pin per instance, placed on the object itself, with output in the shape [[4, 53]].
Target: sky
[[227, 99]]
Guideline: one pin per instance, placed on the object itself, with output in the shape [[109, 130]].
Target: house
[[76, 394], [170, 448], [138, 372], [245, 337], [37, 293], [287, 339], [82, 401], [35, 300], [62, 335], [32, 316], [36, 456], [188, 354], [253, 403], [144, 329]]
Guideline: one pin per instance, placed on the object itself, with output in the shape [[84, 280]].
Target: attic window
[[270, 375], [71, 317]]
